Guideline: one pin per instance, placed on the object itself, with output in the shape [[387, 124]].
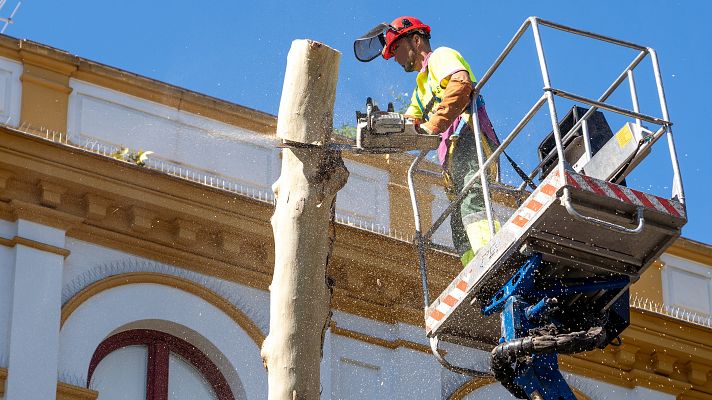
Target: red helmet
[[400, 27]]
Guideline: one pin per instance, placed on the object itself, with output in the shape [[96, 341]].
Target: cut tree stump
[[300, 297]]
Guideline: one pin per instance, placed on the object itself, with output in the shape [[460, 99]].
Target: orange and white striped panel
[[446, 303], [544, 194], [626, 195]]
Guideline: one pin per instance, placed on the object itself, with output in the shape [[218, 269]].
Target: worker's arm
[[454, 102]]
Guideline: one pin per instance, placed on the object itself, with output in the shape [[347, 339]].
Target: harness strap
[[484, 119], [426, 110]]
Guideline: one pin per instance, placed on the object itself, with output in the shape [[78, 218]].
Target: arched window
[[145, 364]]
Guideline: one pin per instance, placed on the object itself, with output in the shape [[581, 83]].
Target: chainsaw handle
[[566, 201]]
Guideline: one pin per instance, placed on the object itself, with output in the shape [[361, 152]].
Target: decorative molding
[[127, 266], [694, 395], [692, 250], [470, 386], [243, 270], [663, 364], [5, 176], [697, 374], [51, 193], [42, 215], [243, 218], [35, 245], [47, 58], [96, 206], [141, 219], [186, 231], [222, 214], [625, 356], [231, 243], [389, 344], [185, 285], [57, 87], [66, 391], [599, 365]]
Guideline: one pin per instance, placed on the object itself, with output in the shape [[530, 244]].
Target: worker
[[441, 104]]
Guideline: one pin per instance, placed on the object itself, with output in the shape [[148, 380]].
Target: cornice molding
[[240, 318], [692, 250], [47, 58], [51, 193], [20, 209], [389, 344], [35, 245], [49, 84]]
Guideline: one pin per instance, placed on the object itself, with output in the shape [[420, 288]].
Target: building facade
[[131, 278]]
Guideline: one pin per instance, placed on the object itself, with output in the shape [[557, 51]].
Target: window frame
[[159, 346], [691, 268]]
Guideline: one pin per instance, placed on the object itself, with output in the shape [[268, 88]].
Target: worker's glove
[[425, 129], [415, 120]]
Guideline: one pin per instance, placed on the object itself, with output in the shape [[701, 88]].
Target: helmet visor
[[370, 45]]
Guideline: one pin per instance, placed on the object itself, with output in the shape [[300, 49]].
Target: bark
[[303, 224]]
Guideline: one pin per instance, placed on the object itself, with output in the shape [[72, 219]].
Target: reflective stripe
[[425, 110], [420, 104]]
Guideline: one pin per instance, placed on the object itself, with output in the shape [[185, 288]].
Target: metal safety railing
[[423, 240]]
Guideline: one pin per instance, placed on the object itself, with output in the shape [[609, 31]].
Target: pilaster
[[45, 89], [33, 348]]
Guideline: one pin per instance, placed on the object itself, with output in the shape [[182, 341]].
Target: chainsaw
[[381, 132]]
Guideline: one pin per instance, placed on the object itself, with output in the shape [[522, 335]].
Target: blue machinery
[[559, 270], [525, 361]]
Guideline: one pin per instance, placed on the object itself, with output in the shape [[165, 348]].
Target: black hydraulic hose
[[505, 354], [460, 370]]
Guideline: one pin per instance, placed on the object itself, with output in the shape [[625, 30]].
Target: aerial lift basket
[[582, 219], [581, 226]]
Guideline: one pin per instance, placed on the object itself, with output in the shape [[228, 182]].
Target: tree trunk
[[303, 223]]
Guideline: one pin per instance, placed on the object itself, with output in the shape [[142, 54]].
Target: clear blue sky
[[236, 50]]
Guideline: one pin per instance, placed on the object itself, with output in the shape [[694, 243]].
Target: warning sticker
[[624, 136]]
